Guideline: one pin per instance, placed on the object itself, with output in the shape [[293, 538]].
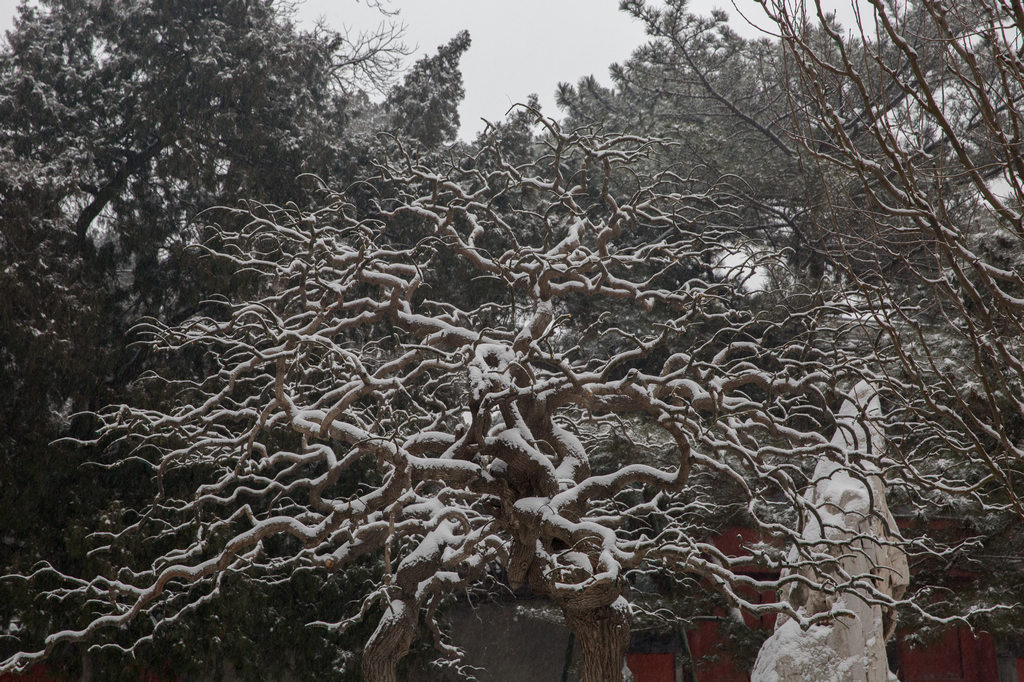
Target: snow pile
[[849, 509], [845, 651]]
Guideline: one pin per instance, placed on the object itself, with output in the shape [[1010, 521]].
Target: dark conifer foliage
[[120, 122], [425, 106], [278, 349]]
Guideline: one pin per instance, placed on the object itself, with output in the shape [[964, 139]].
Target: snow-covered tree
[[549, 374], [432, 379], [722, 100], [914, 115], [119, 123], [884, 157], [425, 106]]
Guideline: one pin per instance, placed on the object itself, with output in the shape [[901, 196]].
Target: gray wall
[[508, 643]]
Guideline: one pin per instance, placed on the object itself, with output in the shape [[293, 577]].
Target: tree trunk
[[603, 636], [390, 643], [134, 163]]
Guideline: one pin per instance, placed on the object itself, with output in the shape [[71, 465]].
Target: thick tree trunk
[[390, 643], [603, 636]]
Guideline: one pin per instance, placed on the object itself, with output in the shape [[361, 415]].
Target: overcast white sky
[[519, 46]]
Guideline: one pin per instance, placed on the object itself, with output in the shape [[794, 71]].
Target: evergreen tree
[[425, 106], [120, 122], [721, 102], [882, 182]]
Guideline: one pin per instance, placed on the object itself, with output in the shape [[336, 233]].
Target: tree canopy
[[474, 421], [311, 342]]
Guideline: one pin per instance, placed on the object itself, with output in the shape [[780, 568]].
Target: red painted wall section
[[713, 662], [37, 673], [957, 656], [652, 667]]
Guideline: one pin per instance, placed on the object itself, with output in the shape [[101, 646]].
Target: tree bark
[[603, 636], [134, 163], [390, 642]]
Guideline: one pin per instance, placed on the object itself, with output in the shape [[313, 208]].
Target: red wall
[[652, 667], [957, 656]]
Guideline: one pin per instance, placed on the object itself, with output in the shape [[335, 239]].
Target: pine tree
[[425, 106], [120, 122]]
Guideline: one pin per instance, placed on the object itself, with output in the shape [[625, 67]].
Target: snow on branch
[[433, 374]]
